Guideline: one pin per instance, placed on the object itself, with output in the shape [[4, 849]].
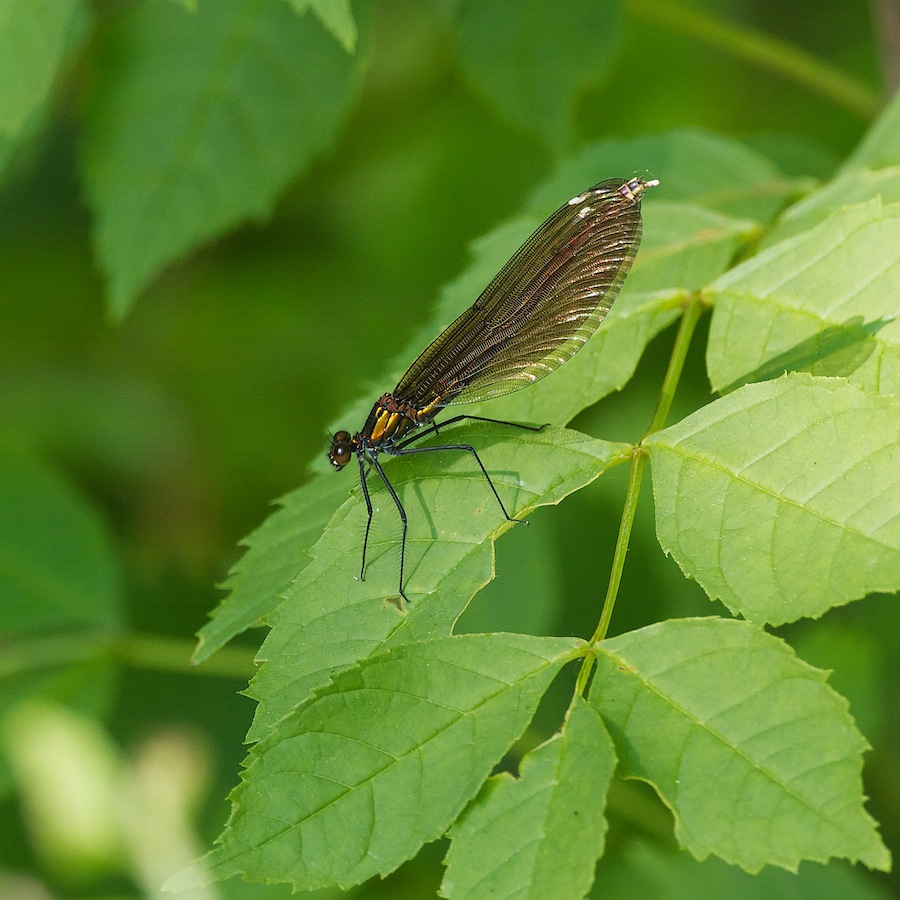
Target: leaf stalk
[[693, 310]]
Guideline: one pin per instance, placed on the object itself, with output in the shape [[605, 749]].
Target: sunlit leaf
[[538, 835], [353, 782], [849, 188], [757, 757], [782, 499], [823, 301]]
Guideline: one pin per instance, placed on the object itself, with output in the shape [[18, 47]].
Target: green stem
[[692, 313], [693, 309], [140, 651], [766, 52]]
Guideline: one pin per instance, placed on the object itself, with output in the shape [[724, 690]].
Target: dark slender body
[[536, 314]]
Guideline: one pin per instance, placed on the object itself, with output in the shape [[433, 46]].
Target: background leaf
[[336, 16], [648, 871], [852, 187], [33, 39], [498, 36], [57, 566], [783, 498], [197, 121], [61, 592], [757, 757]]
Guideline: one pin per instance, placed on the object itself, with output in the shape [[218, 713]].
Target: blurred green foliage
[[167, 370]]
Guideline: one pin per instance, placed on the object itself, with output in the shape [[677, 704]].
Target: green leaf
[[823, 301], [329, 619], [355, 780], [57, 566], [783, 498], [541, 834], [33, 41], [757, 757], [531, 61], [197, 121], [336, 16]]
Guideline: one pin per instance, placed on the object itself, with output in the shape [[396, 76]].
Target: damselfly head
[[342, 447]]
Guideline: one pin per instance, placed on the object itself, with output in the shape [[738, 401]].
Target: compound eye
[[341, 449]]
